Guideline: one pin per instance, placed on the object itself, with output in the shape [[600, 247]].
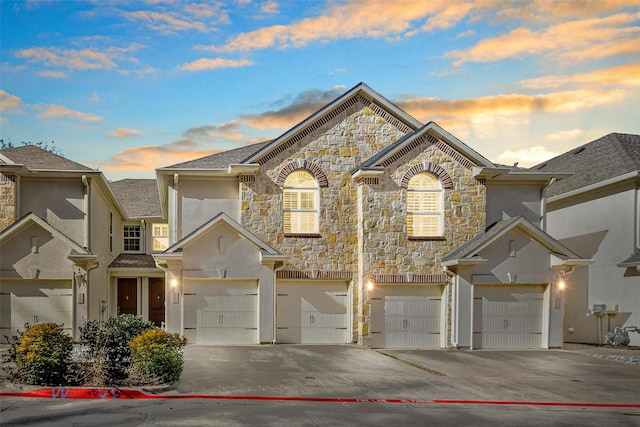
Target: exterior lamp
[[370, 284], [561, 283]]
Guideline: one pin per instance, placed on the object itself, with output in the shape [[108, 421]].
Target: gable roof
[[35, 158], [430, 133], [135, 261], [469, 251], [32, 218], [138, 197], [221, 218], [359, 93], [611, 156], [220, 160]]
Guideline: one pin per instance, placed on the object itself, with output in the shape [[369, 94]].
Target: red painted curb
[[118, 393]]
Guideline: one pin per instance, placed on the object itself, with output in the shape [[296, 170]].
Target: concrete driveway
[[350, 371]]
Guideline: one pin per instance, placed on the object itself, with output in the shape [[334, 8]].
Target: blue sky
[[130, 86]]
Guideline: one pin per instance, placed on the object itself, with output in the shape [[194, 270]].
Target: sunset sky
[[130, 86]]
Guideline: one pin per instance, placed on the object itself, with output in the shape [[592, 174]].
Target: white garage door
[[221, 312], [33, 303], [508, 316], [405, 316], [313, 313]]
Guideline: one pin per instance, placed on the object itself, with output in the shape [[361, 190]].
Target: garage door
[[313, 313], [33, 303], [405, 316], [221, 312], [507, 316]]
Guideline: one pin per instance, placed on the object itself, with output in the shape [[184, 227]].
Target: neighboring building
[[353, 226], [61, 228], [597, 212]]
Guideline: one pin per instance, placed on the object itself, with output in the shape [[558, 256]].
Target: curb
[[117, 393]]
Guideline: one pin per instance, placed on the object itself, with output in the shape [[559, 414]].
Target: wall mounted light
[[561, 283], [371, 284]]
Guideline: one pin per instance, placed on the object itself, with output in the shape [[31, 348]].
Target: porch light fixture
[[174, 282], [371, 284], [561, 283]]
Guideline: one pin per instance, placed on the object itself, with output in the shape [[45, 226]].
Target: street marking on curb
[[117, 393]]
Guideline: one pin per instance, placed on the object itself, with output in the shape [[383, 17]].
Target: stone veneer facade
[[362, 226], [7, 200]]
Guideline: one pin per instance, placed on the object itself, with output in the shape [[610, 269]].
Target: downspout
[[637, 221], [86, 240], [174, 210], [543, 205]]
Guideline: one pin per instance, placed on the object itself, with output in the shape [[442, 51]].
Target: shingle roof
[[36, 158], [220, 160], [607, 157], [139, 197], [133, 261]]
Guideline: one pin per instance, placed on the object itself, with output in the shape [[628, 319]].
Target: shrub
[[157, 355], [108, 346], [43, 354]]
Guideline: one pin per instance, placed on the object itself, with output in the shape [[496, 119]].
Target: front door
[[128, 296], [156, 301]]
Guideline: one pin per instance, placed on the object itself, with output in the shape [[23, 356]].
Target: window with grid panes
[[160, 237], [131, 238], [300, 203], [424, 206]]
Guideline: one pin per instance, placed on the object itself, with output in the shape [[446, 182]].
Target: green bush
[[157, 355], [43, 354], [108, 346]]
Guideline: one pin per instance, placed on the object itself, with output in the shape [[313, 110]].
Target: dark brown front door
[[156, 301], [128, 296]]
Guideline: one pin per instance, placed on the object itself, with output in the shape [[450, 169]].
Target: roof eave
[[594, 187]]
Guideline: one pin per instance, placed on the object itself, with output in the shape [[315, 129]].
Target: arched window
[[300, 203], [424, 206]]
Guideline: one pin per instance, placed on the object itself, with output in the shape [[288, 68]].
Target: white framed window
[[300, 203], [424, 206], [132, 236], [160, 237]]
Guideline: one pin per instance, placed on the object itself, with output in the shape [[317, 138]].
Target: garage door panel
[[312, 312], [406, 316], [221, 312], [226, 319], [34, 303], [508, 316]]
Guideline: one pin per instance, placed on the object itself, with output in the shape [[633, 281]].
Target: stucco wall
[[603, 228], [510, 199], [202, 199], [59, 202]]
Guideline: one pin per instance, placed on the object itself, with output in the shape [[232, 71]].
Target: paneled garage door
[[33, 303], [508, 316], [313, 312], [221, 311], [405, 316]]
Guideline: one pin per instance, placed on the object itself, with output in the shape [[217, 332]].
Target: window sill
[[428, 238], [304, 235]]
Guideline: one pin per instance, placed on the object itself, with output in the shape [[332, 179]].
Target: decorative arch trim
[[443, 176], [306, 165]]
